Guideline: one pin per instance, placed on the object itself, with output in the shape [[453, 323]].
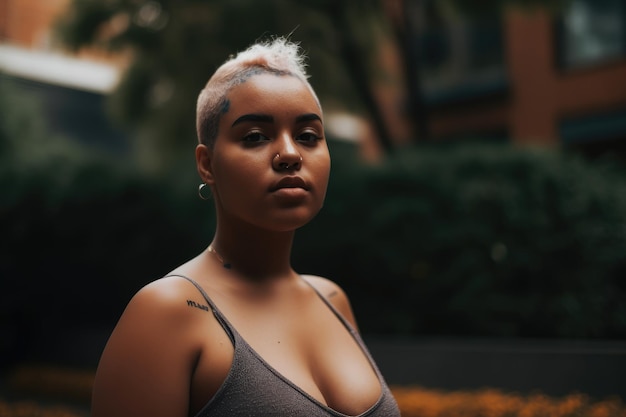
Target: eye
[[308, 137], [255, 137]]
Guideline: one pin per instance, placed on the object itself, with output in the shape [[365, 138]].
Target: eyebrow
[[308, 117], [253, 118], [263, 118]]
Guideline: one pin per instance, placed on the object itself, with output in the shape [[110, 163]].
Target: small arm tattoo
[[332, 294], [191, 303]]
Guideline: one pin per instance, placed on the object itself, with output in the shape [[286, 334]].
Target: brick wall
[[27, 22]]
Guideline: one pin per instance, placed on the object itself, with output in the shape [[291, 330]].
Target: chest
[[304, 349]]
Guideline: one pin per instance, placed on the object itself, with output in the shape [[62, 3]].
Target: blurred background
[[476, 213]]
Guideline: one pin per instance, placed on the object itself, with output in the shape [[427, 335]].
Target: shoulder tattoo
[[191, 303]]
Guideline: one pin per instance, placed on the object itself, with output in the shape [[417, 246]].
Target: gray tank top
[[254, 388]]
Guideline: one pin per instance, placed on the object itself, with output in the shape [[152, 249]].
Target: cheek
[[236, 179], [322, 173]]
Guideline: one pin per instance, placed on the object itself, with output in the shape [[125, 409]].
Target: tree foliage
[[175, 45]]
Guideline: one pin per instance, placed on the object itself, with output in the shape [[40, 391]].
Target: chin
[[288, 222]]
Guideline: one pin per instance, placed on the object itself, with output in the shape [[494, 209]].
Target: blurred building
[[524, 76], [69, 87]]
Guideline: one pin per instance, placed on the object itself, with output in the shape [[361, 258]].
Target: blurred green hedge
[[487, 240], [481, 240], [81, 230]]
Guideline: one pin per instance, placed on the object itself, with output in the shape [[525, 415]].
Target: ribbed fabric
[[254, 388]]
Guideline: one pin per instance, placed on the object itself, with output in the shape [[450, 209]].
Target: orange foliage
[[72, 389], [421, 402]]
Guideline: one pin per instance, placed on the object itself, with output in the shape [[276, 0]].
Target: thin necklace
[[226, 265]]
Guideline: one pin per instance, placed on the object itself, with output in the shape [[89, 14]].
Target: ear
[[204, 159]]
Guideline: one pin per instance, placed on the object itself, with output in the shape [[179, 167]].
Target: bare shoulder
[[152, 349], [165, 311], [166, 293], [328, 288], [334, 294], [165, 301]]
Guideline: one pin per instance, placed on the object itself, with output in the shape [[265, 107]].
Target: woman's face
[[270, 163]]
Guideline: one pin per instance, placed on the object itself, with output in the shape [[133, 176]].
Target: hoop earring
[[201, 195]]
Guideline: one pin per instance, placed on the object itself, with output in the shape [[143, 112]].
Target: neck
[[253, 253]]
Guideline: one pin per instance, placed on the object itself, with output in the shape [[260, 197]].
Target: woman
[[236, 331]]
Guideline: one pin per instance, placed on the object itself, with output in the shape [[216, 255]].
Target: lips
[[290, 182]]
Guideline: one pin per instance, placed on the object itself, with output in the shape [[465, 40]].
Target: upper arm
[[146, 366], [335, 295]]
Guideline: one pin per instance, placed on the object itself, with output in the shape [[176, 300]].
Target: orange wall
[[27, 22], [530, 60]]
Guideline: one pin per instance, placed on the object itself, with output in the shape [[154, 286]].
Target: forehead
[[271, 93]]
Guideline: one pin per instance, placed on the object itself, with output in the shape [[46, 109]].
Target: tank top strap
[[332, 308], [355, 334], [230, 331]]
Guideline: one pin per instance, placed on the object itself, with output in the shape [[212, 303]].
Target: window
[[592, 32], [461, 54]]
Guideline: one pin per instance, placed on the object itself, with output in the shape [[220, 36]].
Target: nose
[[287, 156]]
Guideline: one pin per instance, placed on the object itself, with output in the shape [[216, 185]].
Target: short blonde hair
[[278, 56]]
